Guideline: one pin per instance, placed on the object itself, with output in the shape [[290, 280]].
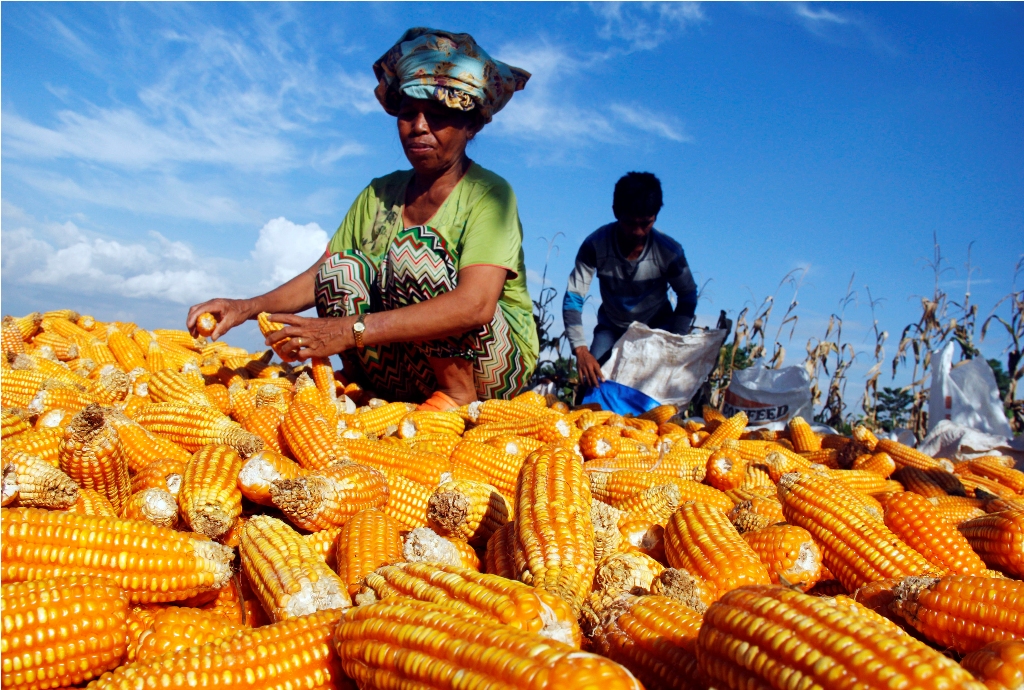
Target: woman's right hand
[[229, 313]]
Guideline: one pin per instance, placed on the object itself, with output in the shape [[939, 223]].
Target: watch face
[[359, 327]]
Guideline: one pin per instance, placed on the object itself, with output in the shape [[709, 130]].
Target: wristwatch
[[358, 328]]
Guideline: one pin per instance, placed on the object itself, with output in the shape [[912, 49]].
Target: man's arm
[[685, 287], [572, 313]]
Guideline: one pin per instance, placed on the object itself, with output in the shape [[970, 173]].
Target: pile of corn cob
[[183, 513]]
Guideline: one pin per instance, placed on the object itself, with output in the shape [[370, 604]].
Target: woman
[[423, 287]]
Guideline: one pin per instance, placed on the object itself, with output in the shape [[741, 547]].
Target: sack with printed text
[[769, 395]]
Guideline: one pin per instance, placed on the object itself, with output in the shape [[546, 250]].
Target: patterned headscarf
[[450, 68]]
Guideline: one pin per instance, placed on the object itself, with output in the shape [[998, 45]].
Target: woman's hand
[[587, 366], [229, 313], [316, 337]]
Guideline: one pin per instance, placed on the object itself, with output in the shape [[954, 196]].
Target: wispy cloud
[[829, 25], [647, 121], [645, 25], [818, 16]]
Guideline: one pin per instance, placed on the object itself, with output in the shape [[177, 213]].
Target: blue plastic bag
[[620, 399]]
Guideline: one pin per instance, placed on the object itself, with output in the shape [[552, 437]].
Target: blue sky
[[154, 155]]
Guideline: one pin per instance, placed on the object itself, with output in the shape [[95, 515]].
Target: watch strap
[[357, 330]]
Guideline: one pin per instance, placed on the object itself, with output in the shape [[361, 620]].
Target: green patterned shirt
[[479, 221]]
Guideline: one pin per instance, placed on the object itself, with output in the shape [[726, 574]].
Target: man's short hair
[[637, 195]]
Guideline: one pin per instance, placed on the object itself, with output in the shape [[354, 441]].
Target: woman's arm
[[298, 294], [468, 307]]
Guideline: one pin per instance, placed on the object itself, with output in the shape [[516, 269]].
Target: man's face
[[637, 228]]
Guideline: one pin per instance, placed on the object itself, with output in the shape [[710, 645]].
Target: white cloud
[[645, 25], [647, 121], [803, 11], [153, 268]]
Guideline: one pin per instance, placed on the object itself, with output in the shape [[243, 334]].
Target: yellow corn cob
[[961, 612], [261, 470], [367, 541], [55, 419], [499, 558], [38, 483], [905, 456], [27, 325], [266, 423], [992, 468], [151, 563], [929, 482], [519, 446], [534, 398], [684, 588], [467, 510], [209, 497], [553, 538], [401, 638], [729, 429], [789, 552], [43, 443], [288, 577], [549, 428], [415, 424], [111, 386], [141, 447], [660, 414], [325, 544], [468, 557], [999, 665], [489, 596], [601, 442], [163, 473], [856, 549], [91, 454], [998, 505], [92, 503], [170, 386], [607, 538], [959, 512], [755, 635], [206, 324], [756, 513], [652, 636], [683, 462], [725, 470], [310, 438], [126, 351], [194, 427], [913, 519], [408, 500], [381, 419], [140, 619], [999, 539], [218, 394], [283, 656], [18, 387], [328, 497], [492, 411], [14, 422], [65, 350], [425, 468], [179, 338], [615, 487], [178, 628], [981, 487], [61, 631], [879, 463], [701, 540], [55, 395], [803, 437], [619, 574], [155, 506], [440, 444], [655, 504]]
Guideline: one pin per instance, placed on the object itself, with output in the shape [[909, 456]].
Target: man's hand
[[229, 313], [311, 337], [587, 366]]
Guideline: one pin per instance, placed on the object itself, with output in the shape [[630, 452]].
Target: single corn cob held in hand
[[912, 518], [91, 455], [61, 631], [774, 637], [433, 646], [490, 596], [37, 483], [329, 497], [655, 637], [260, 471], [367, 541], [164, 473], [151, 563], [855, 547], [289, 579], [177, 628], [999, 539], [999, 665], [209, 497], [790, 554], [554, 538], [467, 510], [962, 612], [291, 654], [155, 506], [701, 540], [194, 427], [206, 324]]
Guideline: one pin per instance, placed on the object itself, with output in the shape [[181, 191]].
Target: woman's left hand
[[314, 337]]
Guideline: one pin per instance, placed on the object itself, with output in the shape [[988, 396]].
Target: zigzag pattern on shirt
[[343, 284], [498, 368], [418, 267], [398, 371]]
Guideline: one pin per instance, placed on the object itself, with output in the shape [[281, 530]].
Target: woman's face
[[434, 136]]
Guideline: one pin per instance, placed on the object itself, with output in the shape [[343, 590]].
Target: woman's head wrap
[[446, 67]]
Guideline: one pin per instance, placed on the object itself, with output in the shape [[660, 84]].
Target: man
[[635, 266]]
